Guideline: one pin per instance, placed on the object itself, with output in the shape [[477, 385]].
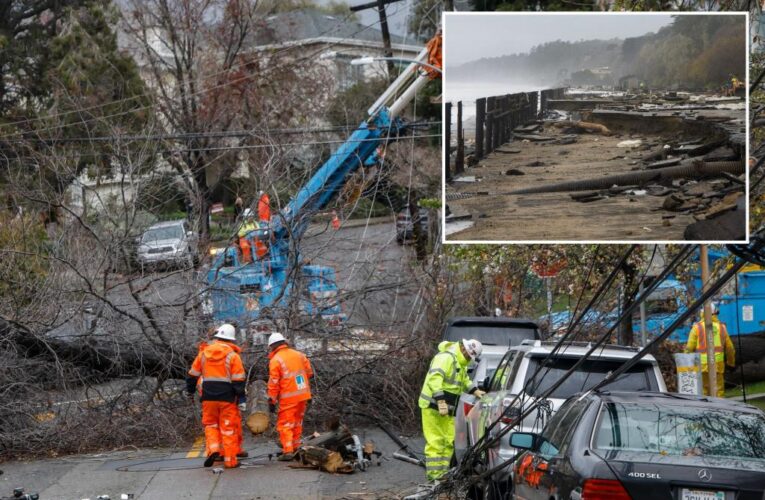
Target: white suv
[[515, 376]]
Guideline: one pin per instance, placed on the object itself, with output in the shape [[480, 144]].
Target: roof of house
[[311, 23]]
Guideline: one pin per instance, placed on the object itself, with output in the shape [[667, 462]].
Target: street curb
[[363, 222]]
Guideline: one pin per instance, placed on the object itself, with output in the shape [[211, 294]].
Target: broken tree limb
[[694, 171], [123, 358]]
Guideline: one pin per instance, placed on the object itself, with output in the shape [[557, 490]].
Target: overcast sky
[[471, 37], [397, 14]]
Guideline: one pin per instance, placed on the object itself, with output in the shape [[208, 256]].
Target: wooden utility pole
[[708, 329], [380, 5], [448, 139]]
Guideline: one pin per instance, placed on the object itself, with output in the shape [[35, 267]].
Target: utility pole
[[708, 330], [380, 5], [642, 317]]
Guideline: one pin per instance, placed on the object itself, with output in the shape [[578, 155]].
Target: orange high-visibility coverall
[[289, 372], [223, 379], [264, 208]]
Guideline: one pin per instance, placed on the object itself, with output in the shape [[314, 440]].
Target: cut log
[[324, 459]]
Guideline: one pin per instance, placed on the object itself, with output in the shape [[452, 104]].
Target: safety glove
[[479, 393], [242, 406], [443, 408], [271, 407]]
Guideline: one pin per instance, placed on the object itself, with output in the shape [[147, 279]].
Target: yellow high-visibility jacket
[[725, 353], [447, 378]]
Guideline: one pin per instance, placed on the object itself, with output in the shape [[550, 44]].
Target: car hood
[[647, 475], [160, 243]]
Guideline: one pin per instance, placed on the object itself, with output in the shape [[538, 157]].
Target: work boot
[[242, 454], [212, 458], [286, 457]]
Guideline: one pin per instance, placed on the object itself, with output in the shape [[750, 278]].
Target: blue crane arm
[[360, 149]]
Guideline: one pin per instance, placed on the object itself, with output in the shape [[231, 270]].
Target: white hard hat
[[274, 338], [248, 213], [473, 347], [225, 331]]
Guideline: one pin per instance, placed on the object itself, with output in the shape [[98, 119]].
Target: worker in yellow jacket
[[446, 380], [725, 353]]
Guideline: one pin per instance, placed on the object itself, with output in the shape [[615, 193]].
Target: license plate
[[702, 495]]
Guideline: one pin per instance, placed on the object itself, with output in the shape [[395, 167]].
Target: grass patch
[[755, 388], [759, 403]]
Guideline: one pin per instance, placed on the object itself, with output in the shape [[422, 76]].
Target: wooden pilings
[[495, 119]]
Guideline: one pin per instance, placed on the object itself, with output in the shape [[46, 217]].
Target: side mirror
[[484, 386], [524, 440]]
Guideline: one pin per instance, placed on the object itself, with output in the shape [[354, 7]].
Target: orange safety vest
[[719, 332], [288, 374], [218, 362]]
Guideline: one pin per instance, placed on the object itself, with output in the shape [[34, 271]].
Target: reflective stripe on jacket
[[289, 372], [220, 369], [447, 378], [723, 347]]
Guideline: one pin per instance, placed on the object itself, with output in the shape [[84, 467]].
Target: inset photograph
[[595, 127]]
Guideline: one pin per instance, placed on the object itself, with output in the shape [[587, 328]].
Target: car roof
[[673, 398], [610, 351], [491, 321], [167, 223]]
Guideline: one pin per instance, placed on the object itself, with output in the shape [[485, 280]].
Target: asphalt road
[[374, 277], [170, 474], [374, 273]]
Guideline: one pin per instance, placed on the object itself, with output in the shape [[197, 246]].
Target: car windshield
[[684, 430], [162, 233], [489, 334], [638, 378]]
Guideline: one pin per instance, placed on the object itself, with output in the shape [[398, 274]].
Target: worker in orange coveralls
[[264, 208], [223, 397], [289, 372]]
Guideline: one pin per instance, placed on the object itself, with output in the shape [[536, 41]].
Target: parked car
[[168, 243], [496, 334], [517, 375], [405, 228], [624, 445]]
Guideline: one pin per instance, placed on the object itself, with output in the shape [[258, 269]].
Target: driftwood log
[[584, 126]]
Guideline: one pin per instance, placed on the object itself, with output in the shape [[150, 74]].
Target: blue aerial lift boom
[[243, 292]]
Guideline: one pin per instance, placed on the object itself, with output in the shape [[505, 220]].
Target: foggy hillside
[[695, 52]]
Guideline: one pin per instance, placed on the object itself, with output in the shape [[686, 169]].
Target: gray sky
[[397, 14], [471, 37]]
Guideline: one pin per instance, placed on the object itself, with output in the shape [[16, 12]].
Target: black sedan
[[622, 445]]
